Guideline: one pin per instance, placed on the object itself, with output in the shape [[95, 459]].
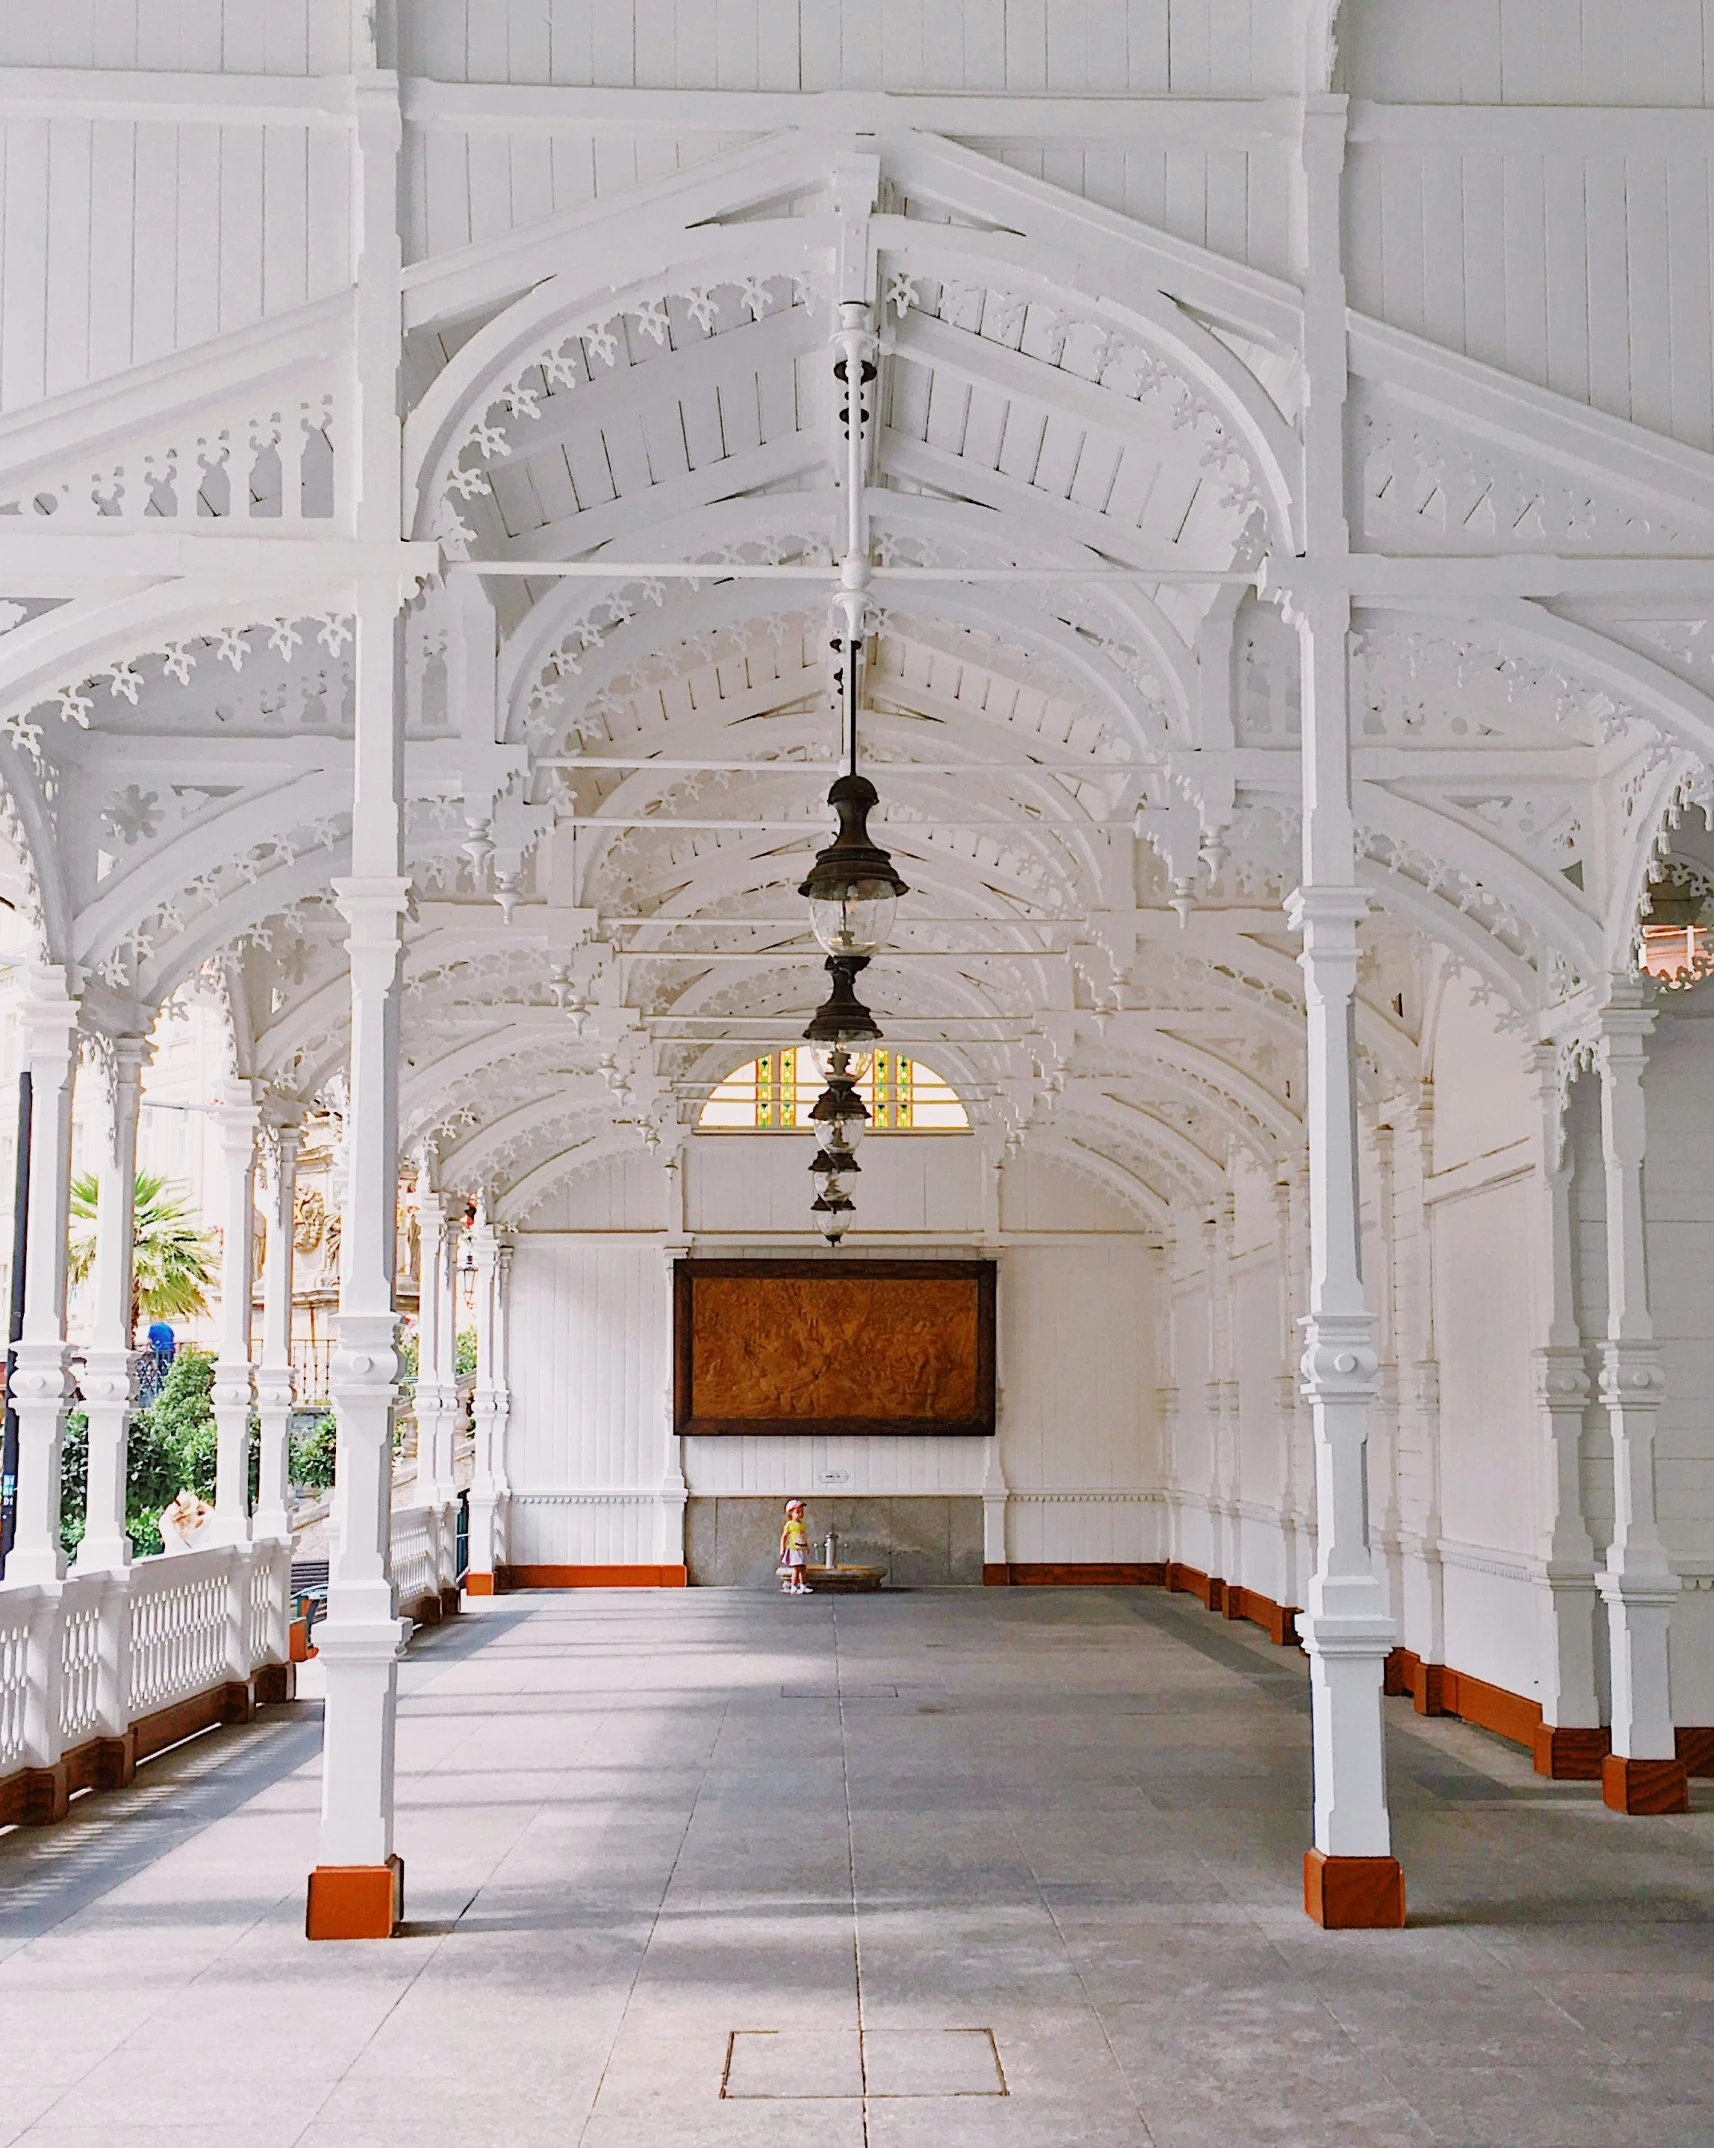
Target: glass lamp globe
[[852, 888], [831, 1218], [857, 919]]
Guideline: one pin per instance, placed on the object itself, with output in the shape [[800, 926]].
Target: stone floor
[[952, 1869]]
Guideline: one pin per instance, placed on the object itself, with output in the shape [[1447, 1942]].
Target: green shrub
[[313, 1454], [464, 1351], [172, 1447]]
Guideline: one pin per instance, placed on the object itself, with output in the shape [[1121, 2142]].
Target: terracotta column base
[[276, 1683], [46, 1795], [1570, 1755], [355, 1901], [1353, 1894], [1427, 1683], [1644, 1786], [479, 1584]]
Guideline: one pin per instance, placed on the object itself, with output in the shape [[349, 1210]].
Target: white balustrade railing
[[17, 1616], [415, 1555], [80, 1656], [178, 1626], [96, 1655]]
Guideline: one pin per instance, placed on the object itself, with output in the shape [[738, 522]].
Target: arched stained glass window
[[776, 1093]]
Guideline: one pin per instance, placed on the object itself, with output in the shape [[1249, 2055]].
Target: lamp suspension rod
[[837, 768], [764, 571], [818, 955], [1017, 824]]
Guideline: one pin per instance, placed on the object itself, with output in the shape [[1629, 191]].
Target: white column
[[1346, 1628], [361, 1638], [1565, 1564], [109, 1383], [1384, 1414], [234, 1390], [441, 1216], [492, 1403], [1421, 1605], [1166, 1393], [274, 1375], [1350, 1876], [1637, 1582], [1225, 1551], [1293, 1533], [40, 1388]]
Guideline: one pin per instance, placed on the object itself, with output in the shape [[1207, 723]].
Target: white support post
[[1569, 1741], [356, 1890], [234, 1390], [1350, 1875], [109, 1381], [1166, 1393], [40, 1386], [1221, 1500], [1384, 1412], [1421, 1604], [441, 1215], [274, 1375], [1292, 1517], [488, 1485], [1642, 1772]]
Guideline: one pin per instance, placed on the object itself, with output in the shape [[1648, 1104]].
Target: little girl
[[794, 1540]]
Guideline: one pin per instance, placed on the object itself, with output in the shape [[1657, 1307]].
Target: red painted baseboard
[[581, 1577], [37, 1797], [1074, 1574]]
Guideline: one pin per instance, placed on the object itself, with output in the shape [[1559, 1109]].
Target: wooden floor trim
[[586, 1577], [37, 1797]]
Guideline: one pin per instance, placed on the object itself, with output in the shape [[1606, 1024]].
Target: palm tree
[[173, 1262]]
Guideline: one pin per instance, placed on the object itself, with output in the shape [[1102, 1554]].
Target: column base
[[1644, 1786], [1428, 1682], [44, 1795], [276, 1682], [1568, 1754], [1353, 1894], [355, 1901]]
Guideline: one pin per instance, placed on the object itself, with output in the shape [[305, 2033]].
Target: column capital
[[1331, 912], [1627, 1016], [1631, 1376], [1339, 1362]]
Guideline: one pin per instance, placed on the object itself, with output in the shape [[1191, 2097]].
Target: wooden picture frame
[[797, 1346]]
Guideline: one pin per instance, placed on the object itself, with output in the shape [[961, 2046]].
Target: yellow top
[[793, 1537]]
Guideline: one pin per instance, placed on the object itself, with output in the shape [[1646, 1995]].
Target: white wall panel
[[1206, 47], [1530, 51], [122, 241], [462, 187], [590, 1347], [1482, 1314], [1482, 1098], [1583, 267], [1679, 1199], [276, 37], [1235, 200], [761, 1182]]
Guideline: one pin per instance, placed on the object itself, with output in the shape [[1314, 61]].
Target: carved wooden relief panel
[[833, 1346]]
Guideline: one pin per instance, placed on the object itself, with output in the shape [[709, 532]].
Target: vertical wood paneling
[[1587, 273], [124, 242]]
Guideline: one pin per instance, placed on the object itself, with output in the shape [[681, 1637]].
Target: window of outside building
[[775, 1094]]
